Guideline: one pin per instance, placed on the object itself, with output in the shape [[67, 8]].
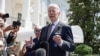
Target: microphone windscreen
[[45, 45], [40, 52]]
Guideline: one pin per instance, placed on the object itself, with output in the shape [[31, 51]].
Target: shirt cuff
[[61, 43]]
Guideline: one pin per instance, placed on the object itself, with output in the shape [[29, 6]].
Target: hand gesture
[[23, 51], [57, 39], [29, 43]]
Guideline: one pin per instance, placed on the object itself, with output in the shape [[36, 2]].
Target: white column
[[36, 12], [64, 19], [2, 6], [26, 14], [43, 12]]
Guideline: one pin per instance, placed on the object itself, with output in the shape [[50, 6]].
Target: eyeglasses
[[37, 31]]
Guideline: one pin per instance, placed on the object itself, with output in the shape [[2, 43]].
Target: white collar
[[56, 22]]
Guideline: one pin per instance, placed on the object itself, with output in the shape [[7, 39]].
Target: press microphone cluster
[[40, 52], [43, 50]]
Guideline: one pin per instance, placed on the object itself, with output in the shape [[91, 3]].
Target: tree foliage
[[86, 14]]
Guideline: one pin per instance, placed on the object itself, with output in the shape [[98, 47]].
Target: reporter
[[32, 45]]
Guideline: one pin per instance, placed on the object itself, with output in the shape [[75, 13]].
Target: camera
[[5, 15], [16, 23]]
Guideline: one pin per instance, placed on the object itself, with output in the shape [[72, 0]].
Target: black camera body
[[16, 23], [5, 15]]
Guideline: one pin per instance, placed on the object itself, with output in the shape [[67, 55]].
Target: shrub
[[83, 49]]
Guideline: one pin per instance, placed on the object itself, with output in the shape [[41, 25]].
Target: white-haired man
[[58, 35]]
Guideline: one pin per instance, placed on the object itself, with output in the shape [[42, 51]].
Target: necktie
[[49, 30]]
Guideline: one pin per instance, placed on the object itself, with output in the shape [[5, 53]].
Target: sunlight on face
[[53, 12]]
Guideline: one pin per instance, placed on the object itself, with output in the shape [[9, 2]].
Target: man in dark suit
[[31, 45], [31, 50], [58, 35]]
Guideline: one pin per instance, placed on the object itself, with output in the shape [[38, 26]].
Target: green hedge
[[83, 50]]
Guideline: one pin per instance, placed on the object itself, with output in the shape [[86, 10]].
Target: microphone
[[40, 52], [58, 33], [45, 45]]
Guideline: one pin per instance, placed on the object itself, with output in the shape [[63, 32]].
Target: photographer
[[11, 42], [5, 27], [11, 39], [4, 16], [12, 36]]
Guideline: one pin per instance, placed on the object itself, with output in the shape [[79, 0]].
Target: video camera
[[16, 23]]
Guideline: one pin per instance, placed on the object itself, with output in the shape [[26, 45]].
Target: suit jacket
[[66, 35], [31, 51]]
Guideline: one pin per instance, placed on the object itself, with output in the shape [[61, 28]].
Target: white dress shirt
[[53, 27]]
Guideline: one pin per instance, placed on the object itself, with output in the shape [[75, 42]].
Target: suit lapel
[[56, 29], [46, 32]]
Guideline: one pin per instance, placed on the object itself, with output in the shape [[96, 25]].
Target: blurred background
[[82, 15]]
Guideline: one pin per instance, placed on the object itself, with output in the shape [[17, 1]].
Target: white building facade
[[31, 12]]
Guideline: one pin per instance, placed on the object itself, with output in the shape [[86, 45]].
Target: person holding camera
[[4, 16], [10, 27], [11, 38], [11, 41], [5, 27]]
